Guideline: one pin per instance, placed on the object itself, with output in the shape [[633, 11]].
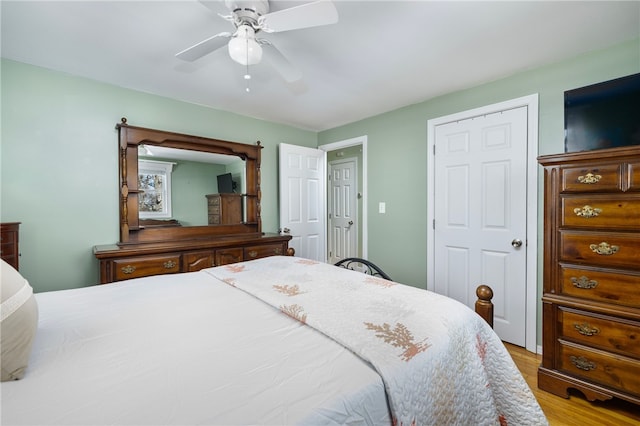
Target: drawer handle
[[278, 251], [253, 253], [587, 211], [586, 329], [604, 249], [128, 269], [584, 282], [169, 264], [589, 178], [582, 363]]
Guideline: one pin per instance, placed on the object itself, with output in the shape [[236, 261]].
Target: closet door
[[481, 216]]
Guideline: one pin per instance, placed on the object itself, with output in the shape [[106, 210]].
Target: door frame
[[359, 140], [531, 102]]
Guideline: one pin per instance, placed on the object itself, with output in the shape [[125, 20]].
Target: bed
[[279, 340]]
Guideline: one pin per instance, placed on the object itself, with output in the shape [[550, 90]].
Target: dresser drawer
[[601, 285], [634, 176], [605, 178], [600, 248], [8, 248], [617, 371], [229, 256], [604, 332], [9, 245], [601, 212], [214, 219], [8, 237], [256, 252], [144, 266], [197, 260]]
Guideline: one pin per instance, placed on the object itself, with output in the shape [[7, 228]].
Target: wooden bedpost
[[484, 307]]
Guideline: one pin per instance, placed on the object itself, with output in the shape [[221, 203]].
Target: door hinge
[[433, 224], [434, 149]]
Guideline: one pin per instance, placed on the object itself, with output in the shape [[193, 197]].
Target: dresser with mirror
[[164, 180]]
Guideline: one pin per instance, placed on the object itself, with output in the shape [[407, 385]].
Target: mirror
[[165, 178], [176, 183]]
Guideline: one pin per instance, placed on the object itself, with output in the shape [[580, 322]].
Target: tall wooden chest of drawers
[[9, 243], [591, 296], [224, 209]]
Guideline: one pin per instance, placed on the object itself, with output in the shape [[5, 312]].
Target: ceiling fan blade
[[289, 72], [321, 12], [216, 6], [204, 47]]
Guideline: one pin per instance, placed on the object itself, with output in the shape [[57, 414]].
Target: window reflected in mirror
[[154, 180]]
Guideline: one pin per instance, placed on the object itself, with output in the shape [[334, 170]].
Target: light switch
[[382, 207]]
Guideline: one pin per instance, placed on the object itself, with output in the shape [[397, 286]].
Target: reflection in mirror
[[186, 177], [154, 180]]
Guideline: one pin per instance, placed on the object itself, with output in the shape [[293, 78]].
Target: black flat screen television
[[225, 184], [603, 115]]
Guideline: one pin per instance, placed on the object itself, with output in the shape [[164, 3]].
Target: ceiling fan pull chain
[[247, 76]]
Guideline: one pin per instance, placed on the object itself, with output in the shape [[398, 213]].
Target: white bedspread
[[184, 349], [190, 349], [441, 363]]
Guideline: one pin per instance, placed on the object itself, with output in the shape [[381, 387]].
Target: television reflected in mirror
[[603, 115], [226, 185]]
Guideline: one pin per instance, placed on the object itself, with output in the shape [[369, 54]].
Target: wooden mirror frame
[[132, 232]]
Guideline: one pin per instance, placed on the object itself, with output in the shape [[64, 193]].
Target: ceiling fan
[[250, 17]]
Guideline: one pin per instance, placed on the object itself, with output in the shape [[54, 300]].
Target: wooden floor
[[576, 410]]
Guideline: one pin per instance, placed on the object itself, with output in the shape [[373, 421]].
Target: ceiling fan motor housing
[[247, 11]]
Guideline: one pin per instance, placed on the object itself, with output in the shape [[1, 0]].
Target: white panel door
[[302, 195], [480, 214], [343, 210]]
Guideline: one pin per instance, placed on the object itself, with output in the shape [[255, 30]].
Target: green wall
[[59, 166], [59, 158], [190, 182], [397, 146]]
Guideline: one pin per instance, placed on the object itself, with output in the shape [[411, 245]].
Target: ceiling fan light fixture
[[243, 47]]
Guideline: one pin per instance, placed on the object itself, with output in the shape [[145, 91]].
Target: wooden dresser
[[123, 262], [153, 247], [9, 243], [591, 296], [224, 209]]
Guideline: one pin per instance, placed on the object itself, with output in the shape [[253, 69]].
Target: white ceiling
[[380, 56]]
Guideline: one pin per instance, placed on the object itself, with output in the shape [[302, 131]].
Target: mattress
[[185, 349]]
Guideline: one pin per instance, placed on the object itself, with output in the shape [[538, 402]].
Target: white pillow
[[19, 322]]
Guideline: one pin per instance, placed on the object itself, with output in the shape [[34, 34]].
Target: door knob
[[350, 222], [286, 230], [516, 243]]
